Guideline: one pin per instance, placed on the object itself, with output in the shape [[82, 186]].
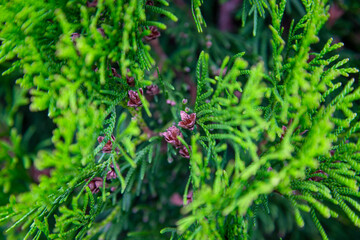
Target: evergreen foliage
[[280, 126]]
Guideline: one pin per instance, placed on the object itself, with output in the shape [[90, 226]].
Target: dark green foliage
[[275, 147]]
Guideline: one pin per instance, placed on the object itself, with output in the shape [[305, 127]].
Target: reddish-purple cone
[[318, 178], [150, 2], [92, 4], [111, 174], [101, 31], [190, 197], [171, 136], [74, 36], [115, 73], [152, 90], [188, 120], [184, 152], [130, 81], [95, 184], [108, 146], [153, 35], [284, 129], [134, 98]]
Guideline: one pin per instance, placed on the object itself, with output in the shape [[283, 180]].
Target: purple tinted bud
[[188, 120], [101, 31], [92, 4], [171, 136], [171, 102], [237, 94], [115, 73], [153, 35], [152, 90], [74, 36], [134, 98], [190, 196], [284, 129], [95, 184], [111, 174], [318, 178], [332, 152], [108, 146], [130, 81], [184, 152]]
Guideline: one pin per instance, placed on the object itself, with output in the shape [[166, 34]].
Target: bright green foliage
[[286, 127]]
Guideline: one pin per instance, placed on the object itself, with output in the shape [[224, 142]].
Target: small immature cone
[[36, 173], [332, 152], [150, 2], [152, 90], [92, 4], [184, 152], [171, 136], [111, 174], [108, 146], [134, 98], [95, 184], [130, 81], [170, 102], [188, 120], [284, 128], [316, 178], [176, 199], [74, 36], [115, 73], [153, 35], [101, 31], [190, 196]]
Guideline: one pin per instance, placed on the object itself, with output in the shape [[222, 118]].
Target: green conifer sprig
[[60, 74], [296, 91]]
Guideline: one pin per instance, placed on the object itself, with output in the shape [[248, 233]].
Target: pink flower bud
[[184, 152], [95, 184], [108, 146], [92, 4], [134, 98], [74, 36], [170, 102], [284, 129], [101, 31], [153, 35], [130, 81], [115, 73], [188, 121], [318, 178], [152, 90], [171, 136], [111, 174]]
